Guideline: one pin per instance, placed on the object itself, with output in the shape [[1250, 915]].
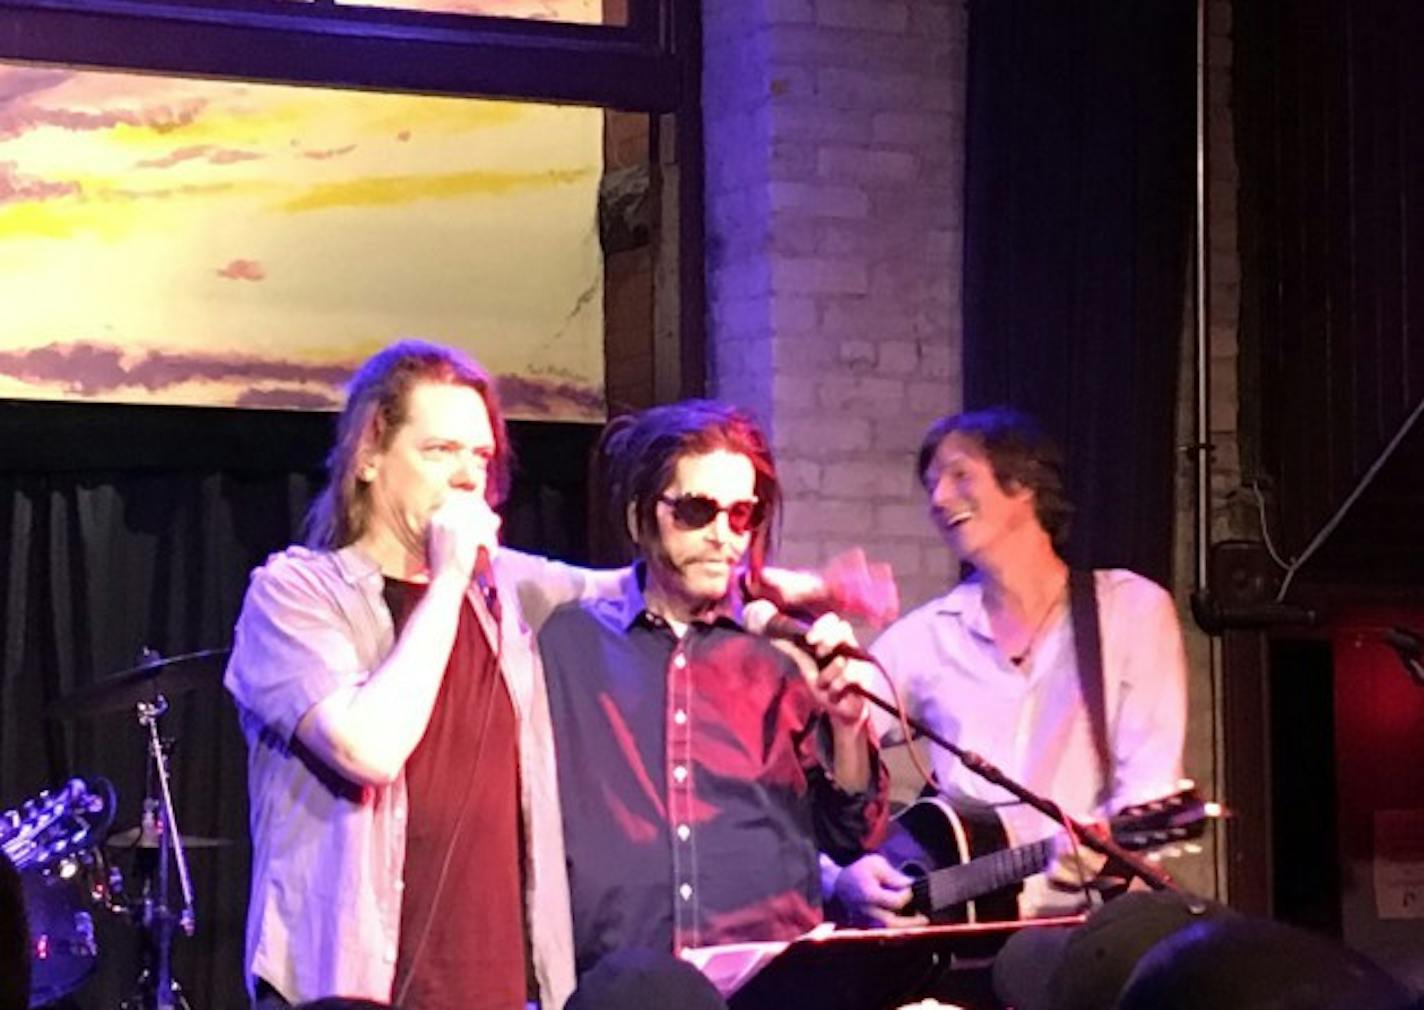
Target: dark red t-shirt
[[462, 943]]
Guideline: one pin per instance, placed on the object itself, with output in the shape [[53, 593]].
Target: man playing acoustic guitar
[[994, 664]]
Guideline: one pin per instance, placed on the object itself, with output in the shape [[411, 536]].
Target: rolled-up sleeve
[[291, 648], [847, 824]]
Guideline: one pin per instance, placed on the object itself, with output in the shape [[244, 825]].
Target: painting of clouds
[[165, 240], [578, 11]]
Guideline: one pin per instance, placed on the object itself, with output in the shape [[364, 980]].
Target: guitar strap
[[1088, 647]]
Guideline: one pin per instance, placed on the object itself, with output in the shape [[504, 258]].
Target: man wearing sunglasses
[[700, 766]]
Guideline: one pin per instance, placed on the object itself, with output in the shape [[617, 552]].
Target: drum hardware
[[52, 840], [158, 846], [152, 678], [160, 839]]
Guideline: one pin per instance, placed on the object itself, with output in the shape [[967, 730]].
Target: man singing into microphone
[[700, 766], [407, 842]]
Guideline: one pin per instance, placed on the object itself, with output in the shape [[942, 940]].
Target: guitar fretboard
[[956, 884]]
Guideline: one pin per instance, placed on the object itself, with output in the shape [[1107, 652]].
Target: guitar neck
[[956, 884]]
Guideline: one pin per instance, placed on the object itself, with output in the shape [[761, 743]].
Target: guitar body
[[933, 834]]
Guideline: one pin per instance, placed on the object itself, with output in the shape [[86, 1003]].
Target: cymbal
[[122, 691], [132, 838]]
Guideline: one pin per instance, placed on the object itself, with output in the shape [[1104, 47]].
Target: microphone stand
[[158, 916], [986, 769]]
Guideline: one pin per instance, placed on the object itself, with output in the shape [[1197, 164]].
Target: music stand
[[869, 969]]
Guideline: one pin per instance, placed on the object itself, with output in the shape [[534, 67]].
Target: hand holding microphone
[[462, 537], [841, 665]]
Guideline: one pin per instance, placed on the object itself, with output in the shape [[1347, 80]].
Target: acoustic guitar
[[964, 869]]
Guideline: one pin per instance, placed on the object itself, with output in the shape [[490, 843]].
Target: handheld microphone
[[484, 579], [762, 618]]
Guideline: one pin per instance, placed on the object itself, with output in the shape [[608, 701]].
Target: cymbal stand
[[157, 988]]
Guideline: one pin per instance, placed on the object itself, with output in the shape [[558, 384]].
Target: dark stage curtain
[[154, 548], [1330, 141], [1078, 181]]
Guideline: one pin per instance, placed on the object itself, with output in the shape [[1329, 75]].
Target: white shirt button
[[684, 832], [679, 661], [686, 891], [390, 955], [679, 773], [680, 717]]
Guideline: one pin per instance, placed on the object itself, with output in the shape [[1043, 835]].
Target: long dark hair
[[638, 454], [377, 402]]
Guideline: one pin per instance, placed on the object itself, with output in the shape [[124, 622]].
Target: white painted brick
[[945, 19], [819, 46], [914, 128], [849, 339], [791, 314], [798, 476], [901, 519], [866, 15], [793, 161], [911, 557], [927, 397], [818, 199], [867, 318], [843, 88], [935, 359], [816, 438], [811, 275], [788, 11], [899, 357], [861, 164], [795, 236], [863, 395], [903, 432], [792, 84], [858, 355], [796, 395], [810, 121], [811, 354], [822, 515], [877, 478]]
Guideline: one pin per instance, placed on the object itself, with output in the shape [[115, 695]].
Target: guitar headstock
[[1179, 817], [57, 823]]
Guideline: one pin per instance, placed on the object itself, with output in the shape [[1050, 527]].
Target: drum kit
[[57, 842]]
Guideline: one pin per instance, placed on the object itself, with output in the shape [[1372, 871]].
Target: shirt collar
[[355, 565], [630, 606], [966, 603]]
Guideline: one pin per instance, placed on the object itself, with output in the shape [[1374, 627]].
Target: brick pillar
[[834, 135]]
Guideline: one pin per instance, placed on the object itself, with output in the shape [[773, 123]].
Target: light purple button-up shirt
[[1032, 722], [328, 855]]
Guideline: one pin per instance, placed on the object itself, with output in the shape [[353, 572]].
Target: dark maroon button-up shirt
[[694, 779]]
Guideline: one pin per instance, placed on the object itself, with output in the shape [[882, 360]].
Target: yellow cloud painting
[[165, 240]]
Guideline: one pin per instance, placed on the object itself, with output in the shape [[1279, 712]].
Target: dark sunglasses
[[694, 511]]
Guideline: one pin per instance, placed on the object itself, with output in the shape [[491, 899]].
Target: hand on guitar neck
[[1074, 867]]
